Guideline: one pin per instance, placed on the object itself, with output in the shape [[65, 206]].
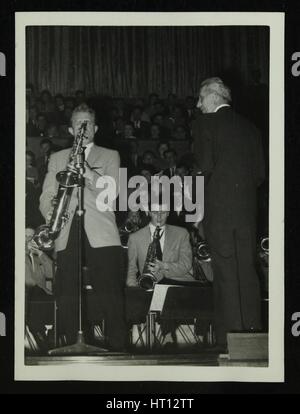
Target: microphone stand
[[80, 347]]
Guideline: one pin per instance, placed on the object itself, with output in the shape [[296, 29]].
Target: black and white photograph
[[149, 187]]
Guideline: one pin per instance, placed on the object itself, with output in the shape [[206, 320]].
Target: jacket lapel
[[148, 239], [93, 156]]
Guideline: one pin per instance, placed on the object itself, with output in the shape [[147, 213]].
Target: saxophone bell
[[42, 238], [147, 282], [264, 245], [202, 251]]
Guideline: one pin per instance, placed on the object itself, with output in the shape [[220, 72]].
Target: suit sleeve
[[178, 270], [132, 263], [50, 187]]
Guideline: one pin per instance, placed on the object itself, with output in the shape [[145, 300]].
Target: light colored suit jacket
[[99, 226], [177, 254]]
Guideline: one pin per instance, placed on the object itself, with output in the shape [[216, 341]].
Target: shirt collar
[[152, 228], [89, 145], [220, 106]]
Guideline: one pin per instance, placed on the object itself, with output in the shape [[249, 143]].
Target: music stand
[[80, 347]]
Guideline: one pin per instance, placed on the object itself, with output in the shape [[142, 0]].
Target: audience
[[161, 162], [148, 158], [129, 131], [141, 128], [155, 132], [46, 149], [31, 171], [171, 158]]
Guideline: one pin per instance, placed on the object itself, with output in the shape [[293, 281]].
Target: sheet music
[[159, 296]]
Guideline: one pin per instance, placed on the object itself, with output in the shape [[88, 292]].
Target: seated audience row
[[156, 119]]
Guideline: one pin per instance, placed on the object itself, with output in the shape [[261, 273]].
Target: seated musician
[[39, 271], [174, 254]]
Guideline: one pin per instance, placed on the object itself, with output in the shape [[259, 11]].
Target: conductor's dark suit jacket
[[230, 156], [229, 153]]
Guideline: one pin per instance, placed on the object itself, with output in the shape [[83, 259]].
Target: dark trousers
[[236, 286], [106, 275]]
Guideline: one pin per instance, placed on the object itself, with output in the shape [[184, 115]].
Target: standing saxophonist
[[102, 249]]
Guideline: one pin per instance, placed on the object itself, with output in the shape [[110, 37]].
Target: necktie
[[157, 237]]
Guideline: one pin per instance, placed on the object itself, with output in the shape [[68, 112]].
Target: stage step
[[246, 349]]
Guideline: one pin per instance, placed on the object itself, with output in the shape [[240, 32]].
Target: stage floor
[[201, 359]]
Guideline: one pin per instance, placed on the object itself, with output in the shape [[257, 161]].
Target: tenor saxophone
[[46, 234], [147, 280]]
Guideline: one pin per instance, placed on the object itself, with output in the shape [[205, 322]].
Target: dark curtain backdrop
[[135, 61]]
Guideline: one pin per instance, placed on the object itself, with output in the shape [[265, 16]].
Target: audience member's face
[[68, 114], [134, 217], [133, 147], [155, 132], [190, 103], [148, 158], [69, 104], [171, 99], [29, 160], [159, 214], [159, 107], [137, 114], [182, 172], [161, 149], [52, 131], [139, 102], [158, 119], [32, 113], [147, 175], [114, 114], [29, 92], [170, 158], [45, 148], [41, 123], [40, 106], [119, 103], [180, 133], [119, 124], [206, 101], [59, 102], [128, 131], [46, 97], [80, 98], [91, 128], [177, 113], [153, 99]]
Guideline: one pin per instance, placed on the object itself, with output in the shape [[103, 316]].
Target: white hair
[[217, 86]]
